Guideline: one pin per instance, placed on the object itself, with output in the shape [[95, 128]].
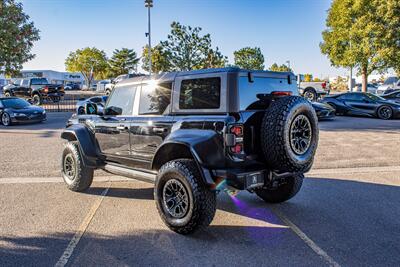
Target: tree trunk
[[364, 79]]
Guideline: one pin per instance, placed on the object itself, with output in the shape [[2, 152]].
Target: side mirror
[[114, 111], [91, 109]]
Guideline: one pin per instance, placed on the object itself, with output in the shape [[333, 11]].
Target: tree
[[249, 58], [17, 35], [186, 49], [91, 62], [308, 77], [123, 61], [388, 16], [214, 59], [281, 68], [358, 36], [159, 59]]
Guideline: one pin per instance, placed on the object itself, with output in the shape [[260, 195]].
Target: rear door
[[20, 90], [112, 129], [152, 124]]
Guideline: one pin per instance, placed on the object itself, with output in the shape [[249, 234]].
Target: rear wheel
[[385, 113], [282, 191], [310, 94], [76, 175], [7, 94], [289, 135], [183, 200], [36, 100]]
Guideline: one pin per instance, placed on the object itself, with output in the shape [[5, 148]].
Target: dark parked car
[[194, 134], [393, 96], [100, 101], [323, 110], [34, 89], [72, 86], [363, 104], [17, 110]]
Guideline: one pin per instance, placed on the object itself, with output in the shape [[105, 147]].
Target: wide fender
[[205, 146], [87, 143]]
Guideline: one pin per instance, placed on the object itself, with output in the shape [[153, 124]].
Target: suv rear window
[[203, 93]]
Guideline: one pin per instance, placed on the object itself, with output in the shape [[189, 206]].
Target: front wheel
[[284, 190], [7, 94], [5, 119], [76, 175], [183, 200]]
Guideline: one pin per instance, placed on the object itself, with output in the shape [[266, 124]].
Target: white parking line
[[81, 230], [354, 170], [319, 251], [33, 180]]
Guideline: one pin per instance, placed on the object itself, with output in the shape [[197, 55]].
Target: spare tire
[[289, 134]]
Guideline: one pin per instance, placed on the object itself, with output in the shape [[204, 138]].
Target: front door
[[112, 129]]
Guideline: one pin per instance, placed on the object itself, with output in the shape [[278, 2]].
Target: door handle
[[159, 130]]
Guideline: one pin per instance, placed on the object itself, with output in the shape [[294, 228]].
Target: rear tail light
[[236, 134], [324, 85], [237, 130], [46, 89], [281, 93]]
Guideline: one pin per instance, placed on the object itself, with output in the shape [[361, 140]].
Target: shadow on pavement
[[356, 223]]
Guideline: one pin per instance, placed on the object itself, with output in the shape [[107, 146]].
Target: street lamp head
[[148, 3]]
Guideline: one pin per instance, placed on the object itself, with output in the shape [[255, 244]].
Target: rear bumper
[[246, 180]]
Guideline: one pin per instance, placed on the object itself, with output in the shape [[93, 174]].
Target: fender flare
[[87, 144], [204, 148]]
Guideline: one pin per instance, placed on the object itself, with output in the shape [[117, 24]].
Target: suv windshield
[[39, 81], [390, 80], [15, 103]]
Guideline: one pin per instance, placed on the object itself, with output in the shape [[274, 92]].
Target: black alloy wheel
[[385, 113], [5, 119], [175, 198], [300, 134]]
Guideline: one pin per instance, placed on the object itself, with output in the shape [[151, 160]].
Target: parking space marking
[[33, 180], [81, 230], [353, 170], [319, 251]]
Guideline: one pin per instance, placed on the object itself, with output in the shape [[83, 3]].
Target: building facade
[[55, 77]]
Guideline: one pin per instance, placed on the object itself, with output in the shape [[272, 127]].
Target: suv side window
[[154, 99], [203, 93], [123, 98], [25, 82]]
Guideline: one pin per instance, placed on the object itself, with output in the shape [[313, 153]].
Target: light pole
[[288, 64], [149, 4]]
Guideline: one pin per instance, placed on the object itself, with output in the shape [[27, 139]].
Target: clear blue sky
[[284, 29]]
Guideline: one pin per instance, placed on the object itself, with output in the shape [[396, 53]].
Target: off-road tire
[[7, 94], [83, 176], [202, 200], [276, 130], [283, 192], [37, 100]]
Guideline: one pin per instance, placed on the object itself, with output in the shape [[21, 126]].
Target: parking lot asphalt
[[347, 213]]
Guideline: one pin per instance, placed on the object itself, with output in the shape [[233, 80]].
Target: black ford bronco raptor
[[194, 134]]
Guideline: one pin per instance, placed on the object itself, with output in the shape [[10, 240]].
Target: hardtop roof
[[170, 76]]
